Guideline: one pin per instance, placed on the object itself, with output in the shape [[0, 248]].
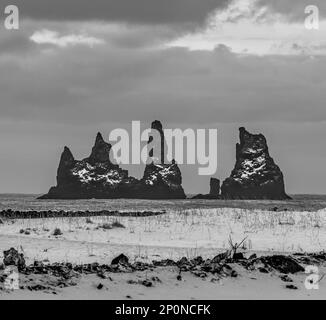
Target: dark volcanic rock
[[147, 283], [285, 278], [315, 258], [283, 264], [214, 192], [97, 177], [160, 180], [221, 257], [157, 125], [9, 214], [11, 257], [291, 286], [121, 259], [255, 175], [100, 152], [214, 188], [93, 177]]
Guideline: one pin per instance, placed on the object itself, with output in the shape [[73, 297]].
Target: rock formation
[[255, 175], [157, 125], [12, 257], [161, 180], [97, 177], [214, 192], [214, 188]]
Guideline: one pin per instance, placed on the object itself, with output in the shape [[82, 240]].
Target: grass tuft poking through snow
[[57, 232]]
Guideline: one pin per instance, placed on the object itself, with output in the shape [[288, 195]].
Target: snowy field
[[178, 233], [172, 235]]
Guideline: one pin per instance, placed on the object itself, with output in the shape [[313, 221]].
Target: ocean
[[25, 202]]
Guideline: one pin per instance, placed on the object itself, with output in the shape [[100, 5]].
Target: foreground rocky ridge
[[52, 277], [44, 214]]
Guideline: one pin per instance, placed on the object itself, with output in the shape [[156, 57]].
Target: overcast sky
[[77, 67]]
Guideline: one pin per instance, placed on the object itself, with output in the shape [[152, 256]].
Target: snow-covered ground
[[173, 235], [248, 285]]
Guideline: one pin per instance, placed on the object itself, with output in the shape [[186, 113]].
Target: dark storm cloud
[[16, 43], [176, 12], [82, 85]]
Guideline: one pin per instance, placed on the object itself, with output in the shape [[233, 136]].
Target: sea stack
[[214, 192], [214, 188], [255, 175], [92, 177], [161, 180], [99, 178]]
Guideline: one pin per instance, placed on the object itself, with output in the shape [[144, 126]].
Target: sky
[[78, 67]]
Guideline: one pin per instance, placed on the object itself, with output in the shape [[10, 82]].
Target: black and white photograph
[[158, 150]]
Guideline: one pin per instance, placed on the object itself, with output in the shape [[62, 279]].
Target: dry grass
[[57, 232], [188, 231]]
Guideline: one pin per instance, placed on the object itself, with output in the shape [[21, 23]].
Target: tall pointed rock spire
[[101, 150], [255, 175]]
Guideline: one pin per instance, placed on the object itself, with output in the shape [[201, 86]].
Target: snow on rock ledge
[[255, 175], [96, 177]]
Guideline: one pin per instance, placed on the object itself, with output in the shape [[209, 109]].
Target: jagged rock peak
[[157, 125], [99, 138], [255, 175], [101, 150], [253, 144], [67, 155], [67, 161], [98, 177]]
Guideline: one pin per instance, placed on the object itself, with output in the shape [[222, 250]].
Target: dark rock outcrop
[[97, 177], [93, 177], [43, 214], [214, 188], [283, 264], [214, 192], [121, 259], [255, 175], [12, 257], [160, 180], [157, 125]]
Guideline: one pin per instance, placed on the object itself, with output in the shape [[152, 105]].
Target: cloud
[[292, 10], [14, 43], [253, 27], [81, 85], [52, 37], [238, 10], [172, 12]]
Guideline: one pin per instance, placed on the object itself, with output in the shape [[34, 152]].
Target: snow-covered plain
[[172, 235], [177, 233]]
